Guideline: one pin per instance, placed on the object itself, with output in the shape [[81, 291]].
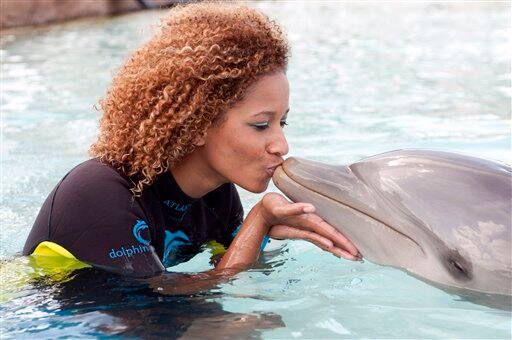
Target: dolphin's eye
[[458, 266]]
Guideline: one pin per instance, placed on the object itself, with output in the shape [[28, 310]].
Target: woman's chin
[[256, 188]]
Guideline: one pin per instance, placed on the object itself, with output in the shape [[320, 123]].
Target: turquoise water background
[[365, 78]]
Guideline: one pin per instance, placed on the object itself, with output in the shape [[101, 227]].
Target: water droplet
[[355, 282]]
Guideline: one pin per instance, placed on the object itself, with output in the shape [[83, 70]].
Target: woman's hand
[[298, 221]]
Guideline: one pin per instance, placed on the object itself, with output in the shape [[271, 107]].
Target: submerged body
[[442, 217]]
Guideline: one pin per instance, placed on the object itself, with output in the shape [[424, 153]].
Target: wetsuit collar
[[168, 189]]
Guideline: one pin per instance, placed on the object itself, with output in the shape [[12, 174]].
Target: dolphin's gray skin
[[441, 216]]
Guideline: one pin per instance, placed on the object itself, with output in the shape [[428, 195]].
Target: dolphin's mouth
[[322, 186]]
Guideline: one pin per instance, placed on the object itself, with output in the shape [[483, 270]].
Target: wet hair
[[171, 90]]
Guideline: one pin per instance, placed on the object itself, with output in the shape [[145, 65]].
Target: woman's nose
[[278, 144]]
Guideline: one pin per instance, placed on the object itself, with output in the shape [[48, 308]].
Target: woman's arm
[[245, 247], [241, 254], [274, 215]]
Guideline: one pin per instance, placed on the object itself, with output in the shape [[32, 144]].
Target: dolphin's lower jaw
[[379, 242]]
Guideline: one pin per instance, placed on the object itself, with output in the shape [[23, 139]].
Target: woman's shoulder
[[93, 168], [95, 177]]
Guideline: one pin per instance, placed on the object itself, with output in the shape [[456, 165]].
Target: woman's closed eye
[[265, 125]]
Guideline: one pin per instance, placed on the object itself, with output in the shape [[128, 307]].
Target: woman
[[199, 107]]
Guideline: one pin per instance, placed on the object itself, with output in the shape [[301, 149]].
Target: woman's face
[[249, 143]]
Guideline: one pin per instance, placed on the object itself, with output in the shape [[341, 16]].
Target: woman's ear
[[200, 140]]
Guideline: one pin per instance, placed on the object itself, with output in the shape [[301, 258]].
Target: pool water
[[365, 78]]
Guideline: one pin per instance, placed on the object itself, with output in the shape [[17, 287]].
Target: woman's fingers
[[315, 224], [287, 232], [344, 254], [279, 211], [292, 209], [338, 238], [276, 209]]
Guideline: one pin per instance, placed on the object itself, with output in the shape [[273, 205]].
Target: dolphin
[[443, 217]]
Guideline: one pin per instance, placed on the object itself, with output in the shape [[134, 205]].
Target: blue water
[[365, 78]]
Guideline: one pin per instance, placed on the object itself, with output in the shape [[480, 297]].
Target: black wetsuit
[[94, 216]]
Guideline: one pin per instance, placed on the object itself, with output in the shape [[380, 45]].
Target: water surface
[[365, 78]]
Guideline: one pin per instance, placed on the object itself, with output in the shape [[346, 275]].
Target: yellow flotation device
[[49, 260]]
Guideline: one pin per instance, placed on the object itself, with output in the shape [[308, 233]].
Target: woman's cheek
[[243, 144]]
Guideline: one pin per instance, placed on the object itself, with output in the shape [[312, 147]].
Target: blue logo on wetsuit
[[172, 242], [129, 251], [176, 206], [137, 230]]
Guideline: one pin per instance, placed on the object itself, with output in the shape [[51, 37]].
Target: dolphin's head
[[441, 216]]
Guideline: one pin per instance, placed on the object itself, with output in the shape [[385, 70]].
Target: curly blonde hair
[[176, 85]]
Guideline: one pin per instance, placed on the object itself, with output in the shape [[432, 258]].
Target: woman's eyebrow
[[270, 113]]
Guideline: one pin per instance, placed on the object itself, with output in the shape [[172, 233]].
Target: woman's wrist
[[266, 205], [262, 213], [246, 246]]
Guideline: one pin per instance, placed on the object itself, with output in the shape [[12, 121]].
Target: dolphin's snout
[[336, 182], [295, 165], [290, 162], [302, 170], [279, 175]]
